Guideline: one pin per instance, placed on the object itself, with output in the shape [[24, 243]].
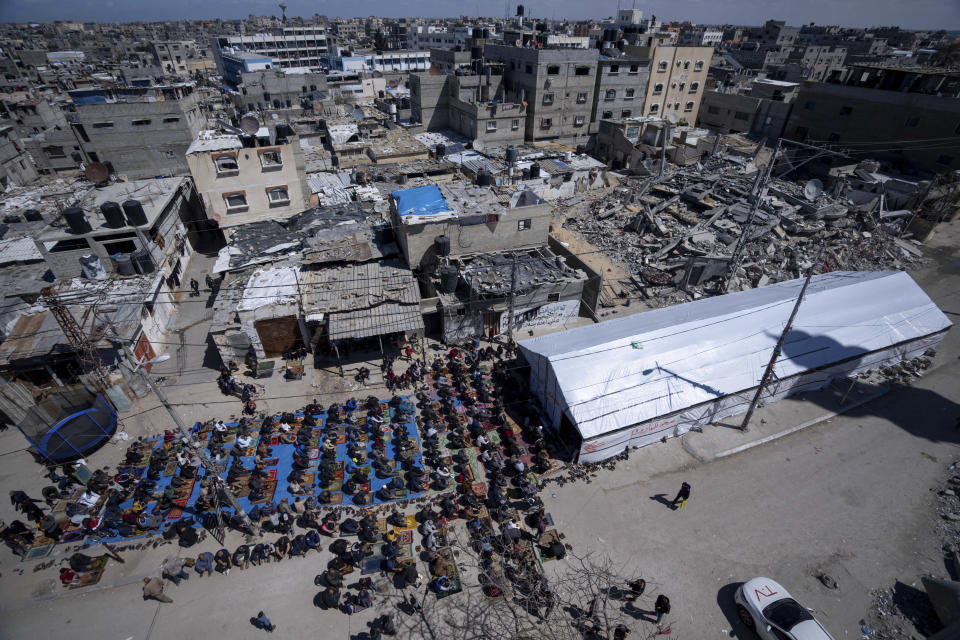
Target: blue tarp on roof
[[420, 201]]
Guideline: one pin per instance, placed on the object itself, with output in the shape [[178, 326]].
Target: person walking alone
[[661, 607], [195, 286], [682, 496]]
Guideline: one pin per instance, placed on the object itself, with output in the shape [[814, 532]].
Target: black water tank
[[484, 179], [441, 151], [142, 261], [125, 265], [32, 215], [135, 213], [448, 278], [113, 214], [512, 155], [77, 220], [534, 170], [11, 218], [526, 173], [442, 244], [402, 178]]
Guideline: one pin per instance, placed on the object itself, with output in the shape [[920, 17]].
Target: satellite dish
[[358, 113], [97, 172], [249, 124], [812, 189], [672, 118], [478, 145]]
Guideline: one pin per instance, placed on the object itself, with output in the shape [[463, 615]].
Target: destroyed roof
[[100, 308], [321, 234], [493, 273], [617, 374]]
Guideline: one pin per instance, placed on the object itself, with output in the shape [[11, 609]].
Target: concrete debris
[[656, 226]]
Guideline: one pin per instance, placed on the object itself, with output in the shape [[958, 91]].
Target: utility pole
[[742, 243], [513, 288], [776, 352], [208, 464]]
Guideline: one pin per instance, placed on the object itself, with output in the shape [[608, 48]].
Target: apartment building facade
[[142, 132], [678, 77], [287, 47]]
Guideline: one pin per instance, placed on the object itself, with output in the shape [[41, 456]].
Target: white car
[[767, 608]]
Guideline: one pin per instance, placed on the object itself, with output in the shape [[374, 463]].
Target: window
[[912, 121], [169, 155], [737, 115], [626, 113], [628, 94], [553, 297], [682, 85], [582, 71], [102, 125], [686, 65], [529, 68], [714, 111], [634, 69], [170, 120], [582, 97], [610, 94], [270, 159], [578, 121], [654, 108], [809, 105], [226, 164], [945, 160], [553, 70], [523, 225], [658, 88], [608, 114], [698, 66], [514, 125], [694, 86], [278, 195], [235, 200], [662, 66], [548, 98], [141, 123], [491, 125], [546, 123], [54, 152], [688, 106], [614, 69]]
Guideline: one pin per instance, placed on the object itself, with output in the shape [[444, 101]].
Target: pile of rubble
[[678, 234], [906, 611], [903, 373]]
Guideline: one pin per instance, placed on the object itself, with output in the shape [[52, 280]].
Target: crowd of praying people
[[469, 411]]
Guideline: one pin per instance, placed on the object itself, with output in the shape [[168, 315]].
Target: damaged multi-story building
[[482, 254]]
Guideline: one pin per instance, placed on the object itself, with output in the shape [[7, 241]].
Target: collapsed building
[[701, 230]]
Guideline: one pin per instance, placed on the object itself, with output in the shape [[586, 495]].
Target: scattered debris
[[679, 234]]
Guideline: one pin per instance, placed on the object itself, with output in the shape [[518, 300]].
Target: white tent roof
[[620, 373]]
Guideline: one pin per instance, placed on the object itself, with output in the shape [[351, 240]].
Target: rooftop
[[210, 140], [154, 196]]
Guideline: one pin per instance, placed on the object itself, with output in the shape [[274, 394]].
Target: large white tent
[[637, 379]]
